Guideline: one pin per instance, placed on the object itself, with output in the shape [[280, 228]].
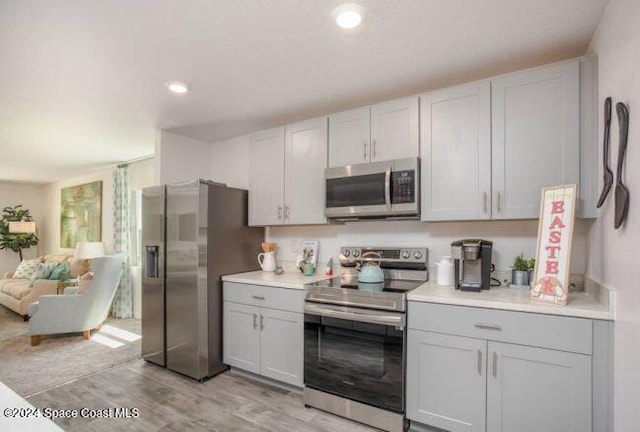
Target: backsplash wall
[[510, 238]]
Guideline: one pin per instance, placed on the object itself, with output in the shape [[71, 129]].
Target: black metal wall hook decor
[[608, 174], [621, 191]]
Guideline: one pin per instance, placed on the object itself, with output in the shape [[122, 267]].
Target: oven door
[[355, 353]]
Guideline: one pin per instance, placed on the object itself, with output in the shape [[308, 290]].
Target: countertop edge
[[544, 309]]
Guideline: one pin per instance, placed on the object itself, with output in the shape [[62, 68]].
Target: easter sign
[[555, 231]]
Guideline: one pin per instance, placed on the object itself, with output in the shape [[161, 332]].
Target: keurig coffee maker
[[472, 264]]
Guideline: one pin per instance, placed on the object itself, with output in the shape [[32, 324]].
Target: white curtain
[[122, 306]]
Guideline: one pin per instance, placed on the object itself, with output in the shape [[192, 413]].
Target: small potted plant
[[531, 270], [520, 271]]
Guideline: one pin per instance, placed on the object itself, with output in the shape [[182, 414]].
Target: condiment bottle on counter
[[328, 270]]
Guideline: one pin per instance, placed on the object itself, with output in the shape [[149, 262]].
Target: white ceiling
[[82, 80]]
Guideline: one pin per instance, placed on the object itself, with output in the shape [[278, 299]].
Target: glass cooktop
[[389, 285]]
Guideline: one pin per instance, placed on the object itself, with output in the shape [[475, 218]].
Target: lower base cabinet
[[264, 341], [534, 389], [446, 381], [486, 376]]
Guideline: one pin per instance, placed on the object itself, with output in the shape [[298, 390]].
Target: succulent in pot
[[520, 271], [531, 270]]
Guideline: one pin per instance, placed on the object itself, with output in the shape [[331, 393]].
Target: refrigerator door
[[153, 275], [187, 316]]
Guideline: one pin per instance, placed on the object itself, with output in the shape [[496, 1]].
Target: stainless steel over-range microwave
[[376, 190]]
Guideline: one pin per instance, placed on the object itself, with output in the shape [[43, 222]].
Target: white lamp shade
[[22, 227], [89, 250]]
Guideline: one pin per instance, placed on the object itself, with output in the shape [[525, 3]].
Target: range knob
[[356, 253], [417, 255], [346, 253], [406, 254]]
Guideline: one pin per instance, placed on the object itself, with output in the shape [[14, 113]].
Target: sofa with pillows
[[36, 277]]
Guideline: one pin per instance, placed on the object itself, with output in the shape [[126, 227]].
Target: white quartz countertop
[[580, 304], [288, 279], [9, 423]]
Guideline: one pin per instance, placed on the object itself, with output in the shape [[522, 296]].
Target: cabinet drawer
[[264, 296], [545, 331]]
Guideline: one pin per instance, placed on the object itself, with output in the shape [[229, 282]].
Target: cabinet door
[[266, 178], [241, 339], [349, 137], [446, 381], [394, 129], [282, 345], [456, 153], [534, 389], [305, 162], [536, 133]]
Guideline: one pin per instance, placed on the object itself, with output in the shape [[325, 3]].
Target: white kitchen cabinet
[[446, 385], [536, 136], [469, 368], [456, 153], [533, 389], [385, 131], [286, 174], [305, 162], [263, 331], [266, 177], [349, 137], [281, 343], [241, 336], [395, 129]]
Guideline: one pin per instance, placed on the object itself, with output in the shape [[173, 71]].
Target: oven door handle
[[371, 317], [387, 187]]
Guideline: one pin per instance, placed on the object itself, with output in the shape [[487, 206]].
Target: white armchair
[[54, 314]]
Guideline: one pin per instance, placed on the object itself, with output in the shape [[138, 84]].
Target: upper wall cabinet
[[536, 137], [456, 153], [286, 176], [394, 129], [266, 177], [381, 132], [488, 148], [305, 161], [349, 137]]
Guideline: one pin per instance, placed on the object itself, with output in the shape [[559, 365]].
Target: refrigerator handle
[[152, 261]]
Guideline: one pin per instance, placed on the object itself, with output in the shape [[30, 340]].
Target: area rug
[[60, 359]]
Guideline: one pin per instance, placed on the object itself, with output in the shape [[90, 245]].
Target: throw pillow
[[60, 272], [43, 270], [84, 282], [26, 269]]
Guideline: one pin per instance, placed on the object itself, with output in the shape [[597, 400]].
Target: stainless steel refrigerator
[[192, 234]]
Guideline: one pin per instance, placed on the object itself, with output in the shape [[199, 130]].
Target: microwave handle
[[387, 187]]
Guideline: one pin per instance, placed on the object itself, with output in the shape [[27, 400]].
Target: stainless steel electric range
[[355, 339]]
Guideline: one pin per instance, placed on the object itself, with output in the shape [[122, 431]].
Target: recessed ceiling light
[[348, 16], [178, 87]]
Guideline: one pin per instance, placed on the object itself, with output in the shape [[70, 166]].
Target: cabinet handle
[[495, 364], [484, 202], [479, 362], [279, 212], [257, 297], [365, 151], [374, 148], [286, 212], [255, 321], [488, 326], [261, 322], [498, 201]]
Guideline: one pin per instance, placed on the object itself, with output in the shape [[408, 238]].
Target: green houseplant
[[520, 271], [16, 242]]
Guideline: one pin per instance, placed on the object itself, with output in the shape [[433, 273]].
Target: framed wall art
[[555, 232], [80, 214]]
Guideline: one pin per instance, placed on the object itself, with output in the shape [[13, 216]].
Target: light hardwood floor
[[170, 402]]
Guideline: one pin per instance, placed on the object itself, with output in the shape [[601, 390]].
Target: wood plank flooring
[[170, 402]]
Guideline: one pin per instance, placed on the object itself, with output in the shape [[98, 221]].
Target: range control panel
[[389, 255]]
